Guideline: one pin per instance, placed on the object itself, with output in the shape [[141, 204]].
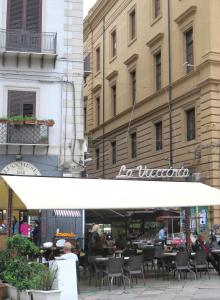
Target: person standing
[[36, 233], [15, 226], [25, 228], [163, 235]]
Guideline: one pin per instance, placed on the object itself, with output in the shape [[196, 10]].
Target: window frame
[[190, 128], [33, 102], [98, 111], [97, 152], [158, 70], [114, 99], [133, 139], [132, 16], [159, 135], [113, 43], [189, 49], [114, 152], [133, 85], [98, 59], [156, 8]]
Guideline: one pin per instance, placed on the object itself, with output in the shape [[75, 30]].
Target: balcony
[[24, 135], [27, 44]]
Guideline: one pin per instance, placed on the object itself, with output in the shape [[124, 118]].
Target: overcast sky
[[87, 5]]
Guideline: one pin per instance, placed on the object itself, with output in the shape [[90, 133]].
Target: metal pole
[[103, 100], [170, 88], [187, 227], [9, 212]]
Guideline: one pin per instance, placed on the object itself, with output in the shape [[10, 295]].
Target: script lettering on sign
[[144, 172]]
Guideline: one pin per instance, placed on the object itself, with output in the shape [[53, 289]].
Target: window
[[85, 118], [158, 70], [189, 50], [21, 103], [132, 25], [97, 158], [98, 110], [191, 124], [113, 144], [98, 58], [133, 86], [86, 66], [114, 99], [133, 145], [24, 17], [156, 8], [113, 44], [159, 136]]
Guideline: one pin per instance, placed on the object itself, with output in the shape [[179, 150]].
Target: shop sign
[[144, 172], [20, 168]]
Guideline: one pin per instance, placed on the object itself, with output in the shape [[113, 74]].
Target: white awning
[[68, 193], [67, 213]]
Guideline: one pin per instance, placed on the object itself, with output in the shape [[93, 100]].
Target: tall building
[[151, 92], [41, 77]]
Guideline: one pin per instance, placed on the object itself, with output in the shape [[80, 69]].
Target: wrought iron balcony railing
[[24, 134], [27, 41]]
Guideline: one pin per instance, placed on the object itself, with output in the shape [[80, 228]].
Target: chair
[[149, 254], [94, 269], [200, 263], [135, 267], [158, 255], [130, 252], [114, 270], [182, 264]]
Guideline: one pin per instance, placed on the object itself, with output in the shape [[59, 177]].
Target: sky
[[87, 5]]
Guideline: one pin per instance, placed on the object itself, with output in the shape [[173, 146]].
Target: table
[[217, 254]]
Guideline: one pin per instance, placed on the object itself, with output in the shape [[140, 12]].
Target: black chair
[[114, 270], [135, 267], [149, 254], [183, 265], [95, 270], [200, 263], [158, 255]]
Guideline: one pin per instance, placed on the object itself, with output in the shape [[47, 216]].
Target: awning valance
[[67, 213], [68, 193]]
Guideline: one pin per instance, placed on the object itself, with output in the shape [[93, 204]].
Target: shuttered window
[[21, 103], [24, 15]]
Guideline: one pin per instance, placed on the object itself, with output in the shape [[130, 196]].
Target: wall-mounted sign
[[21, 168], [144, 172]]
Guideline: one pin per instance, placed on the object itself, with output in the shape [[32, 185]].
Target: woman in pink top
[[25, 228]]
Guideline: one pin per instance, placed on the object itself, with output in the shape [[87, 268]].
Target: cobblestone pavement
[[155, 289]]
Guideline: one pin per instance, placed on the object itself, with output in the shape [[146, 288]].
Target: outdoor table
[[217, 254]]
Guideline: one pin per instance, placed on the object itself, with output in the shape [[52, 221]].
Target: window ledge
[[113, 59], [156, 20], [132, 41]]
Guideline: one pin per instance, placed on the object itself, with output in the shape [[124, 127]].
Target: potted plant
[[4, 120], [2, 290], [16, 120], [30, 120], [42, 285]]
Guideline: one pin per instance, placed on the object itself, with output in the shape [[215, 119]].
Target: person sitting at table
[[95, 243], [121, 242], [213, 245], [201, 245]]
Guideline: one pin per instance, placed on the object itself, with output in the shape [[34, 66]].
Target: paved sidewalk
[[158, 289]]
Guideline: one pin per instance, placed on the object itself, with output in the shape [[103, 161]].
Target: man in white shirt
[[67, 252]]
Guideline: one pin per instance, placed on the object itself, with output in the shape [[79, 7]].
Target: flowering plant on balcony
[[20, 120]]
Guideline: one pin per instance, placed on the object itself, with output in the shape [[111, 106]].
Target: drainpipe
[[170, 87], [103, 102]]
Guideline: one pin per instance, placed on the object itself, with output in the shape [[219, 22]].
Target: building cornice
[[112, 75], [186, 14], [96, 88]]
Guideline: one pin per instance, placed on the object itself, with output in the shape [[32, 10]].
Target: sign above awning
[[69, 193]]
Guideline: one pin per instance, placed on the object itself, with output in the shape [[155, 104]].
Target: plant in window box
[[42, 122], [16, 120], [30, 120], [50, 122], [4, 120]]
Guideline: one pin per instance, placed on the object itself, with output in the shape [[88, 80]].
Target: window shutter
[[21, 103], [15, 14], [34, 15]]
